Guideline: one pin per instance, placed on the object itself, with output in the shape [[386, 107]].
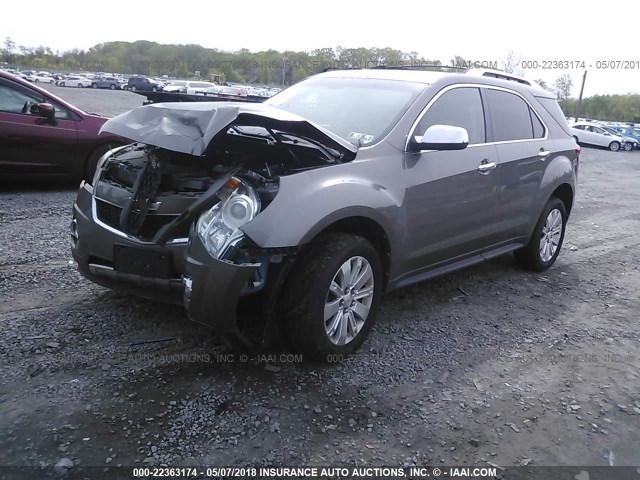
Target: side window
[[14, 100], [459, 107], [538, 128], [511, 116]]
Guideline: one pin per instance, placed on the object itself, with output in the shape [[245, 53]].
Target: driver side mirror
[[45, 110], [441, 137]]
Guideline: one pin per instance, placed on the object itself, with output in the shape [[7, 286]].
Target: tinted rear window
[[551, 106], [510, 115]]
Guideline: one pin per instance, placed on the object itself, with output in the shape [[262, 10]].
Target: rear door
[[28, 143], [451, 198], [524, 149]]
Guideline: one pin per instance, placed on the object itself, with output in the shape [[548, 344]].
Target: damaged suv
[[314, 204]]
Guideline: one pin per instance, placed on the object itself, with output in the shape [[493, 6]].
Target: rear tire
[[547, 237], [94, 85], [112, 87], [332, 296], [614, 146], [133, 88]]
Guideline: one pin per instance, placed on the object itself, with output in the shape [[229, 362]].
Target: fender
[[326, 199], [560, 170]]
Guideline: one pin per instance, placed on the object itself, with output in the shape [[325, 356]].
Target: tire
[[112, 87], [532, 256], [628, 146], [307, 294], [94, 85], [62, 84], [154, 89], [79, 85], [133, 88], [92, 161], [36, 81], [614, 146]]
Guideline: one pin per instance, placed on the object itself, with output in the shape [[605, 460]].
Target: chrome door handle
[[487, 167], [543, 154]]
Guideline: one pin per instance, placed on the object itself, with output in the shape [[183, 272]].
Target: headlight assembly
[[219, 227]]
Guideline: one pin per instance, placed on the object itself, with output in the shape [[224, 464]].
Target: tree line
[[274, 67]]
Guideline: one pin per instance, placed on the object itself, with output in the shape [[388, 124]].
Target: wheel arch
[[363, 225], [565, 193]]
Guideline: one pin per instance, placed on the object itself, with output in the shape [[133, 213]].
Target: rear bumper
[[208, 288]]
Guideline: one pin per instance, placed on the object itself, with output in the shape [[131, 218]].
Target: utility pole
[[284, 69], [579, 104]]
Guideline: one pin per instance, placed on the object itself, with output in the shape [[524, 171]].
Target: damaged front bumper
[[180, 272]]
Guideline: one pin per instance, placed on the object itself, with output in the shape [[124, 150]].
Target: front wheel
[[133, 88], [94, 85], [628, 146], [332, 296], [545, 242], [614, 146], [112, 87]]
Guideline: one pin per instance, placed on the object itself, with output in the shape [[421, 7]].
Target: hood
[[192, 128]]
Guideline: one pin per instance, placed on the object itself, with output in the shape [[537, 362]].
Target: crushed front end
[[164, 220]]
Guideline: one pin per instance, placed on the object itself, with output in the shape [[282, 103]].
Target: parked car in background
[[142, 83], [627, 131], [74, 81], [41, 135], [239, 92], [198, 88], [630, 143], [315, 203], [176, 86], [589, 134], [106, 82], [40, 77]]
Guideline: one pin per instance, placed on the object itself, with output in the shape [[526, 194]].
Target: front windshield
[[360, 110]]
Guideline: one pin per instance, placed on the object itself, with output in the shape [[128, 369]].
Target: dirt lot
[[491, 365]]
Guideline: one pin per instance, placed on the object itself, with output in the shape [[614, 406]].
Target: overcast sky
[[539, 31]]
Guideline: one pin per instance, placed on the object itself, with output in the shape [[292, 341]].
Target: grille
[[110, 215], [107, 213]]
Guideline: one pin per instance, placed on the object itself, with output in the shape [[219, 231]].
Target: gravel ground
[[490, 365]]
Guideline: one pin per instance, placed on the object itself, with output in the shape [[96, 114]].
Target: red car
[[41, 135]]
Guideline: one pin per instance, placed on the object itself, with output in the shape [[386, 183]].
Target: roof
[[428, 77]]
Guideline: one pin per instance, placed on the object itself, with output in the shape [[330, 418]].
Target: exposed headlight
[[219, 227]]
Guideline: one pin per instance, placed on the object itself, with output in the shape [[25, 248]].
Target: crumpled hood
[[191, 128]]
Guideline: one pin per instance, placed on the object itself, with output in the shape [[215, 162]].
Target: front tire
[[112, 87], [614, 146], [628, 147], [94, 85], [92, 161], [332, 297], [547, 237]]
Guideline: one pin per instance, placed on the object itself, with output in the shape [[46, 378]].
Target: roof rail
[[421, 66], [498, 74]]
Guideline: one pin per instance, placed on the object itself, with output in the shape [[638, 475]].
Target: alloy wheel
[[349, 300], [551, 233]]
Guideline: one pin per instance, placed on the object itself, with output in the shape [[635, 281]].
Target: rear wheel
[[332, 296], [614, 146], [133, 88], [112, 87], [545, 242], [94, 85]]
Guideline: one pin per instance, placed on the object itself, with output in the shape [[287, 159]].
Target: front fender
[[308, 202]]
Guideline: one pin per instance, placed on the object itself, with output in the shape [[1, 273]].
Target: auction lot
[[492, 365]]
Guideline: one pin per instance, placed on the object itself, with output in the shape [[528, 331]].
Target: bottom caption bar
[[330, 473]]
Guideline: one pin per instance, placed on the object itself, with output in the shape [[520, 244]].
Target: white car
[[198, 88], [75, 81], [176, 86], [40, 77], [592, 134]]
